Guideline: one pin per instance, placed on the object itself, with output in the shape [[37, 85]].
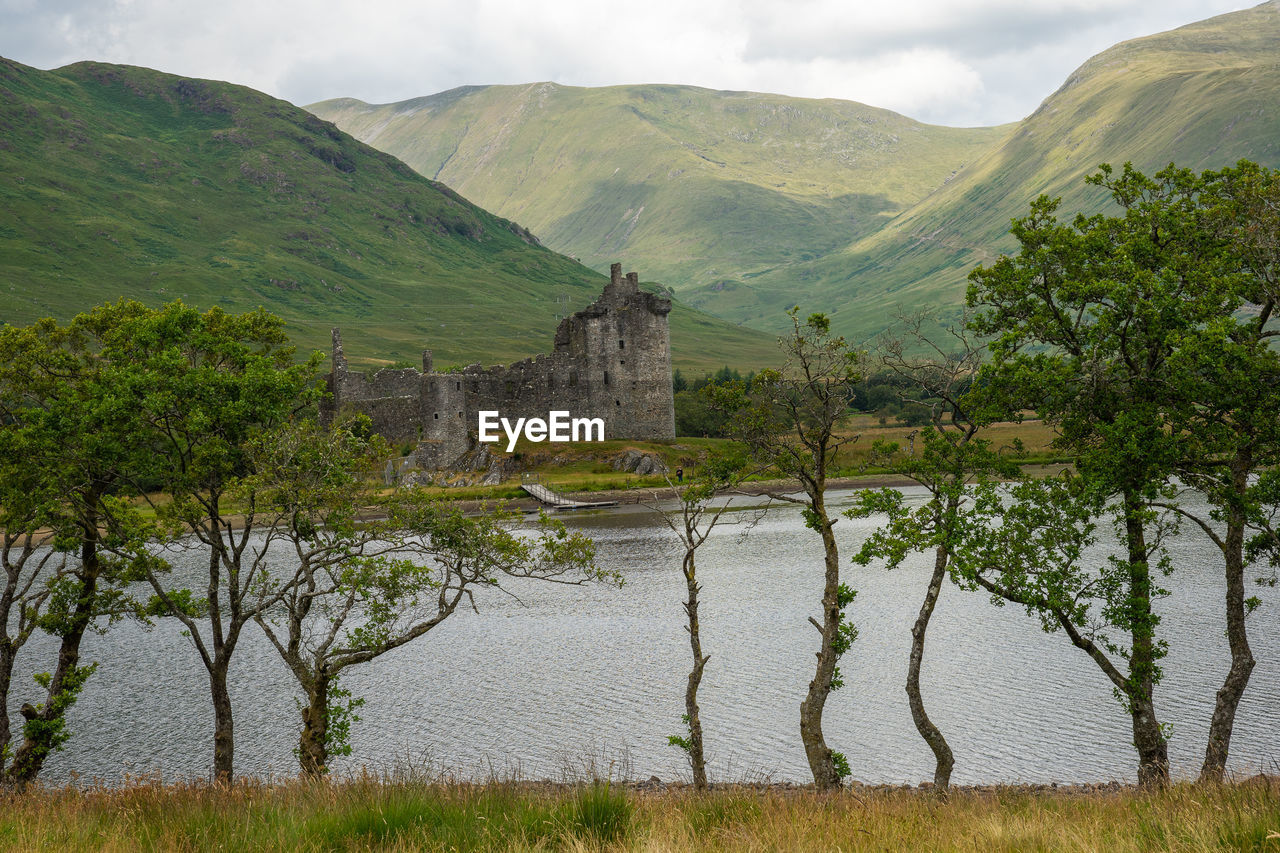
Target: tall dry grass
[[371, 813]]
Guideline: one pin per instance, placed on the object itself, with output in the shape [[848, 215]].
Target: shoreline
[[653, 786], [642, 495], [753, 488]]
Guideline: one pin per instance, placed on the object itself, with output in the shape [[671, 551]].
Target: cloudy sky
[[958, 62]]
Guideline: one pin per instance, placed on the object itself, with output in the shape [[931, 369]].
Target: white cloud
[[965, 62]]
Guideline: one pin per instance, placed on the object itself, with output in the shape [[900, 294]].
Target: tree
[[695, 416], [692, 524], [70, 448], [957, 468], [203, 384], [359, 589], [1088, 320], [787, 418], [1231, 430], [32, 567]]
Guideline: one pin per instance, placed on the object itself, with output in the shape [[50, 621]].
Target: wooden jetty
[[554, 499]]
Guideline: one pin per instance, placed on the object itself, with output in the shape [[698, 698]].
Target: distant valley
[[745, 204]]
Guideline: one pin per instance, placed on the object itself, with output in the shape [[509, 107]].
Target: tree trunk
[[821, 762], [1153, 749], [1237, 679], [44, 731], [943, 758], [224, 742], [313, 749], [6, 676], [1148, 739], [697, 760]]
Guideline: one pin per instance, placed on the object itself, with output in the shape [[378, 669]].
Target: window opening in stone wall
[[459, 414], [622, 344], [459, 384], [617, 402], [606, 379], [437, 416]]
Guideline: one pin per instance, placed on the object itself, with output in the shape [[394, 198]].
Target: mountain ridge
[[1203, 95], [122, 181], [639, 168]]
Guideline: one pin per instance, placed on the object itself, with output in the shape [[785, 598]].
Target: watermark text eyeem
[[558, 426]]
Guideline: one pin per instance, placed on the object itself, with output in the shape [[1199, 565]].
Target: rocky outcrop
[[636, 462]]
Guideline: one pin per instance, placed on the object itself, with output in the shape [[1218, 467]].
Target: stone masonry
[[612, 360]]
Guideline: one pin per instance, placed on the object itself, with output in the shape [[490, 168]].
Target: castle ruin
[[612, 360]]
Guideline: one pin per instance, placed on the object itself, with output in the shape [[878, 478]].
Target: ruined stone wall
[[611, 360]]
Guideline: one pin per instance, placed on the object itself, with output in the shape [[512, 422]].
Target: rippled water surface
[[570, 677]]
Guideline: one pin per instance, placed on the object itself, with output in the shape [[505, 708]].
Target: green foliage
[[846, 633], [47, 730], [340, 714], [1127, 332], [786, 418], [841, 764], [695, 409], [696, 416], [357, 588], [683, 742], [73, 448]]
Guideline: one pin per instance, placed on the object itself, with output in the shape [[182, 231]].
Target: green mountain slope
[[1203, 96], [119, 181], [701, 188], [746, 204]]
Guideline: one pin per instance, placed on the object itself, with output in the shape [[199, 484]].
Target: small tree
[[203, 385], [955, 467], [787, 418], [357, 590], [692, 524], [1231, 429], [32, 567], [69, 448]]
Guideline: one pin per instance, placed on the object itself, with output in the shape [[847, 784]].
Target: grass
[[366, 814], [588, 467], [125, 182]]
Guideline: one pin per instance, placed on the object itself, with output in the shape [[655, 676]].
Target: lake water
[[569, 679]]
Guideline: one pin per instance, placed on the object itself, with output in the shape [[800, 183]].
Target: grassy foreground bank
[[368, 814]]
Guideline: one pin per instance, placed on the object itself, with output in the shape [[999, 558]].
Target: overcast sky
[[966, 62]]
